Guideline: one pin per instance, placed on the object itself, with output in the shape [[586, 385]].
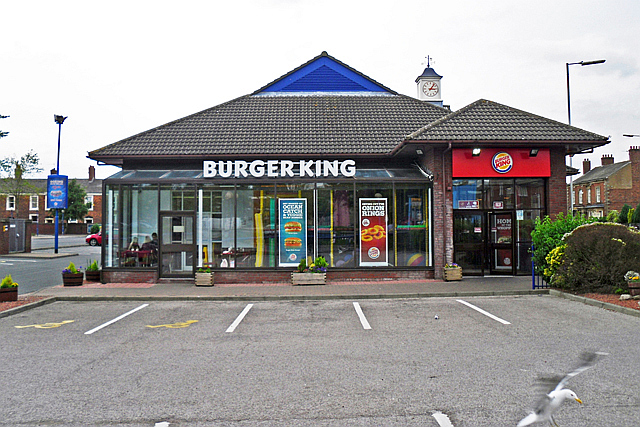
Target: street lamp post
[[582, 63], [59, 120]]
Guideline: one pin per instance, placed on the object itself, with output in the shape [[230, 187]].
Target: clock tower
[[429, 86]]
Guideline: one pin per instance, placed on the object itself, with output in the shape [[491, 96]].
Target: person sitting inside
[[134, 246], [150, 248]]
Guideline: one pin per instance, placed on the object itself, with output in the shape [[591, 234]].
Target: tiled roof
[[90, 187], [285, 125], [601, 172], [489, 121]]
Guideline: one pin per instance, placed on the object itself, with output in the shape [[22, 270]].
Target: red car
[[94, 239]]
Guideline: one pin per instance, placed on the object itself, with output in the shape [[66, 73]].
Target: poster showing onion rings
[[293, 231], [373, 233]]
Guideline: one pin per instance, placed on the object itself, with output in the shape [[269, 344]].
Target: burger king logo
[[502, 162]]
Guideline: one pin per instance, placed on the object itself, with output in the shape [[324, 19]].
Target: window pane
[[379, 191], [467, 194], [499, 194], [529, 193], [411, 216], [336, 224]]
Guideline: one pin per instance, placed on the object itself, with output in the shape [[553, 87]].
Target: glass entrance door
[[468, 242], [501, 243], [176, 244]]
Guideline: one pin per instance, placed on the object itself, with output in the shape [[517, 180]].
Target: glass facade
[[176, 228], [493, 220]]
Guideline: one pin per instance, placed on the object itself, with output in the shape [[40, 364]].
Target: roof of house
[[326, 107], [90, 187], [486, 120], [601, 173]]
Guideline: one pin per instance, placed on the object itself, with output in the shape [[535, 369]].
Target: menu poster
[[293, 231], [57, 195], [373, 233]]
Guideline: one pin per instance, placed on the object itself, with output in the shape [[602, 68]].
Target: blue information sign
[[57, 194], [293, 231]]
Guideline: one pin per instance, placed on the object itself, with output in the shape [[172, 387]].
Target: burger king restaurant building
[[325, 161]]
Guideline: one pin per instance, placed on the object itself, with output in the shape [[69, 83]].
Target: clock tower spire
[[429, 85]]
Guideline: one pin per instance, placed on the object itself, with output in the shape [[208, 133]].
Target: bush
[[612, 216], [95, 228], [548, 234], [623, 218], [635, 218], [596, 257]]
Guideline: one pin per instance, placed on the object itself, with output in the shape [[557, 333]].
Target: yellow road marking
[[47, 325], [174, 325]]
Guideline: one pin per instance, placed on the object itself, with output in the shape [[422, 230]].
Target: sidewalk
[[180, 290]]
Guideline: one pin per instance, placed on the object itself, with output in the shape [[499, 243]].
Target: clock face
[[430, 88]]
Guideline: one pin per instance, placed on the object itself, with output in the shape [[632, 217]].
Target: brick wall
[[109, 276], [557, 184]]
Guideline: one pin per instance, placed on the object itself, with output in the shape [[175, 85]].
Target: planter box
[[452, 274], [72, 279], [634, 288], [9, 294], [308, 278], [204, 279], [92, 276]]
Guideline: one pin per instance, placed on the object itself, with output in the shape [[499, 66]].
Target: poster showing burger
[[373, 232], [293, 243]]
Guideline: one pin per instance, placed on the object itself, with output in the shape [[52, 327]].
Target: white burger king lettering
[[502, 162]]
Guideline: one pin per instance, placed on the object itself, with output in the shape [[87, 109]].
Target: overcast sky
[[119, 68]]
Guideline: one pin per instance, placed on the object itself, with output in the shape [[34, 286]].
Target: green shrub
[[612, 216], [8, 282], [596, 258], [548, 234], [623, 218], [95, 228], [635, 218], [93, 266]]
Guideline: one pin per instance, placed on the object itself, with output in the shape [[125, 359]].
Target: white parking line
[[479, 310], [236, 322], [363, 319], [442, 419], [104, 325]]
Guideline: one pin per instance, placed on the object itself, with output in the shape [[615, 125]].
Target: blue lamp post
[[59, 120]]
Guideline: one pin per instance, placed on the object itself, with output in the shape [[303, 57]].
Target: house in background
[[609, 186], [34, 206]]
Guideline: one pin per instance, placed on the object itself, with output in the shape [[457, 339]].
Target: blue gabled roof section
[[323, 74]]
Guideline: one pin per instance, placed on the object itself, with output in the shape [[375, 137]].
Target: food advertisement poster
[[293, 231], [373, 232], [57, 196]]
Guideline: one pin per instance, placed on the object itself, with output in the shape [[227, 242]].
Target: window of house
[[33, 217], [48, 220], [11, 203], [597, 194], [88, 200], [580, 197], [589, 195], [88, 220], [33, 203]]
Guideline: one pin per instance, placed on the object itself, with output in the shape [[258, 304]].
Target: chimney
[[607, 159], [586, 166], [634, 155], [92, 173]]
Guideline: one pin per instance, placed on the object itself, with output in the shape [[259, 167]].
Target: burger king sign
[[502, 162]]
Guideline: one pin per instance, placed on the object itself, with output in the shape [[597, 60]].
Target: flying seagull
[[554, 393]]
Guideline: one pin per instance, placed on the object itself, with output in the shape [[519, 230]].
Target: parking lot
[[313, 363]]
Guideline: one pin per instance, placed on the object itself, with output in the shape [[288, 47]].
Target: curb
[[595, 303], [20, 309]]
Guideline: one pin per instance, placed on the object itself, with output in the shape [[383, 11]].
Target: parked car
[[94, 239]]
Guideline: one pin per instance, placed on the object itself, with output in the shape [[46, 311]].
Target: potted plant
[[92, 274], [8, 289], [633, 280], [204, 277], [452, 272], [72, 276], [314, 274]]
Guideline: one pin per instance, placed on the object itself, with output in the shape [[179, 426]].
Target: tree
[[635, 219], [3, 134], [13, 170], [624, 214], [77, 207]]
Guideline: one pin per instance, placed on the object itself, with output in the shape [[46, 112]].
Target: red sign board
[[500, 163]]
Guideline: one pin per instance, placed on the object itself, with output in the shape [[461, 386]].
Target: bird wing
[[587, 360]]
